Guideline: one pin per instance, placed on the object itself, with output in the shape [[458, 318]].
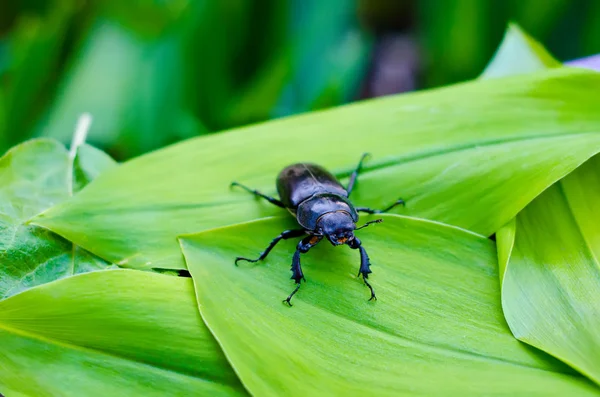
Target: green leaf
[[548, 281], [519, 53], [34, 178], [437, 328], [113, 333], [551, 285], [472, 155], [88, 164]]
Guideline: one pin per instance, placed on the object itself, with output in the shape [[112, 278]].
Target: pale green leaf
[[437, 328], [551, 286], [519, 53], [112, 333], [34, 178], [471, 155]]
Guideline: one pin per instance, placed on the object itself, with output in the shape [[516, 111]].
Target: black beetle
[[321, 206]]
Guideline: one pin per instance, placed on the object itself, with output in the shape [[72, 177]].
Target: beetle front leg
[[365, 265], [297, 275], [372, 211]]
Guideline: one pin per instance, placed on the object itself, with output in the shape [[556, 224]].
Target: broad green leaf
[[472, 155], [437, 328], [551, 285], [34, 178], [519, 53], [113, 333], [548, 281]]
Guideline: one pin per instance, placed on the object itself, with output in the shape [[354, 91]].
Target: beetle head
[[337, 226]]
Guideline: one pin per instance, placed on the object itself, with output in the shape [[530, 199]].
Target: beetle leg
[[355, 173], [372, 211], [283, 236], [365, 265], [303, 246], [289, 298], [271, 200]]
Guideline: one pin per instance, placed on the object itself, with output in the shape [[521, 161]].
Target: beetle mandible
[[321, 205]]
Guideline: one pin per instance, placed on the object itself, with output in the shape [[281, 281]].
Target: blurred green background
[[153, 72]]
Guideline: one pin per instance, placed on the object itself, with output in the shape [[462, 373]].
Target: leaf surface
[[34, 178], [551, 286], [437, 327], [112, 333], [471, 155], [548, 270]]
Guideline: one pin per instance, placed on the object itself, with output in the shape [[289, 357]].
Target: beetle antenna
[[368, 223]]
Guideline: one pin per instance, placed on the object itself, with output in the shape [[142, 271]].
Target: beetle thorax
[[337, 226]]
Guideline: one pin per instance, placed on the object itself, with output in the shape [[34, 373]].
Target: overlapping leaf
[[472, 155], [437, 328], [551, 279], [34, 178], [551, 282], [113, 333]]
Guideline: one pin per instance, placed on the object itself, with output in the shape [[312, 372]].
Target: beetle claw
[[365, 275], [289, 298]]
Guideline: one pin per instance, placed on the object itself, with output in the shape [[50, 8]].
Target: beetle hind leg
[[255, 192], [372, 211], [355, 173]]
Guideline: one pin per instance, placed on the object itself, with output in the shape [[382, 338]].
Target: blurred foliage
[[459, 36], [154, 72]]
